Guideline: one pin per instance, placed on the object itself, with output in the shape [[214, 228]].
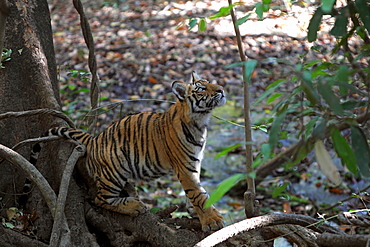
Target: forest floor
[[142, 46]]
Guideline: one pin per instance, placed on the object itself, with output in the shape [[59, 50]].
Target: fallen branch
[[264, 221]]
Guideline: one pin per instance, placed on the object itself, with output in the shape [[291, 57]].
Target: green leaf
[[154, 210], [275, 129], [259, 10], [361, 150], [320, 129], [226, 150], [340, 26], [330, 98], [308, 87], [314, 25], [249, 67], [342, 77], [270, 88], [266, 151], [233, 65], [243, 19], [327, 6], [224, 11], [274, 97], [82, 90], [303, 151], [350, 105], [223, 188], [363, 9], [192, 23], [280, 190], [71, 87], [202, 25], [344, 151], [310, 125]]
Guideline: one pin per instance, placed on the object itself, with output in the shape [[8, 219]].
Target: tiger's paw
[[133, 207], [211, 220], [130, 206]]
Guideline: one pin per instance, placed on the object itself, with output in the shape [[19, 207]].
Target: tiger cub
[[146, 146]]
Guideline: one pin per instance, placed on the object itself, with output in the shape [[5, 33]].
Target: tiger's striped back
[[146, 146]]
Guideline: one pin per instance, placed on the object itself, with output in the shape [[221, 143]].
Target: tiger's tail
[[67, 133]]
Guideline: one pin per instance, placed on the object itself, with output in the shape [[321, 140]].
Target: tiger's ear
[[195, 77], [179, 89]]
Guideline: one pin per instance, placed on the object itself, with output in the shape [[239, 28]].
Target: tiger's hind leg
[[121, 199]]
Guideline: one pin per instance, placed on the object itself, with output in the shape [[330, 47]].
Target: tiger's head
[[200, 95]]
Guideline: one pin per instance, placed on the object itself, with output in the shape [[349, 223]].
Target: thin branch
[[44, 111], [78, 152], [250, 194]]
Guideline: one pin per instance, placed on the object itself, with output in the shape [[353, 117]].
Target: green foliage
[[360, 147], [248, 65], [70, 91], [259, 9], [80, 74], [5, 56], [224, 187], [328, 96], [344, 151]]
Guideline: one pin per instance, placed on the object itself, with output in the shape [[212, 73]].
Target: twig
[[78, 152], [35, 176], [36, 112], [94, 92], [250, 194], [345, 199]]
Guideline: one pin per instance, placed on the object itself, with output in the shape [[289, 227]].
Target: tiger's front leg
[[209, 218]]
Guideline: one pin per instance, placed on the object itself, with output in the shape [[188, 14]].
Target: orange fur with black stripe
[[146, 146]]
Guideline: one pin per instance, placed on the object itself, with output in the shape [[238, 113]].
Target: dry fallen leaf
[[326, 164]]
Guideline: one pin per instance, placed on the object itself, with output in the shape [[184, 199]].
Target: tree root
[[122, 230]]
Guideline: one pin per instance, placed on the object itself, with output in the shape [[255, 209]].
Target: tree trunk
[[28, 82]]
